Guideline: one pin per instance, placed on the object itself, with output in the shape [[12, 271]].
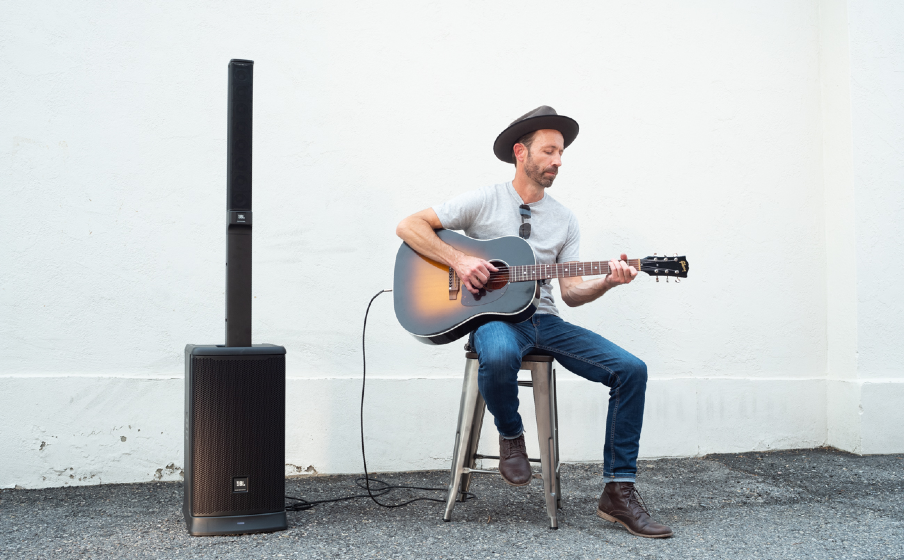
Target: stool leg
[[541, 375], [553, 403], [469, 394], [480, 408]]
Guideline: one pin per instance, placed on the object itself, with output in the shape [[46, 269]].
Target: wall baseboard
[[103, 430]]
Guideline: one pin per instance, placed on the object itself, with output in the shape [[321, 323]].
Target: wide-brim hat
[[541, 118]]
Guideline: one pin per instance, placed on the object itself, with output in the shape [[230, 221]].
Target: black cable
[[367, 479], [385, 487]]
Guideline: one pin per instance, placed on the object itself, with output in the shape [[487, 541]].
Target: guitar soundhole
[[499, 279]]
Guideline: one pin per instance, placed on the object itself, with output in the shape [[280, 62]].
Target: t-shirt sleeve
[[571, 250], [460, 212]]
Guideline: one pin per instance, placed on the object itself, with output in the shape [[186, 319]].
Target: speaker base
[[236, 524]]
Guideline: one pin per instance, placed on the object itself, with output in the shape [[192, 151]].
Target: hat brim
[[506, 140]]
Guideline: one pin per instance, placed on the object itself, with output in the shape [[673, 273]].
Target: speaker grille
[[239, 122], [238, 430]]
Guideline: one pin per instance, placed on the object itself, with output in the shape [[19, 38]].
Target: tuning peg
[[657, 278], [677, 280], [654, 254], [666, 279]]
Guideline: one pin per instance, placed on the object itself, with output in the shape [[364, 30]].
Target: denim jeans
[[500, 347]]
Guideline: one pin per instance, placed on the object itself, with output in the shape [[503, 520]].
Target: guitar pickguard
[[486, 296]]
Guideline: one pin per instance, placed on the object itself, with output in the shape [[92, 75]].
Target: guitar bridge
[[454, 284]]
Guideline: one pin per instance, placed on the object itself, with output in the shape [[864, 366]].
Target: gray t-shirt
[[492, 212]]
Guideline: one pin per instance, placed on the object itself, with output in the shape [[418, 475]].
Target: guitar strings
[[573, 264], [532, 271], [586, 267]]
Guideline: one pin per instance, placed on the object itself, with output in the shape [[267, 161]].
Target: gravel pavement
[[814, 503]]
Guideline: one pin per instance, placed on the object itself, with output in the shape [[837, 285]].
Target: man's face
[[544, 157]]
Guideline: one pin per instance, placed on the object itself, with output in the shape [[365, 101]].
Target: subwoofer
[[235, 394], [235, 409]]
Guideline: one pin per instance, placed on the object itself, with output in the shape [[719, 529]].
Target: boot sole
[[608, 517], [510, 483]]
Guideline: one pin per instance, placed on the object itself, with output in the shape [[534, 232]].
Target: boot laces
[[635, 497], [514, 447]]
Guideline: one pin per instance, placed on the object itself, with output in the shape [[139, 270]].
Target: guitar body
[[425, 306]]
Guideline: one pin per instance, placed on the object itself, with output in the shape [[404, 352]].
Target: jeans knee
[[500, 364], [635, 372]]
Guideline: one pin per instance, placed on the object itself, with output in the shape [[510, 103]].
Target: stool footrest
[[466, 470], [479, 456]]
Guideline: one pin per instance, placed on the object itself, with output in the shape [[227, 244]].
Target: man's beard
[[537, 175]]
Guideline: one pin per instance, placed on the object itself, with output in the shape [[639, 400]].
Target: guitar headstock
[[674, 266]]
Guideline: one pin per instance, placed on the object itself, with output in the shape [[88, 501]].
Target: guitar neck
[[525, 273]]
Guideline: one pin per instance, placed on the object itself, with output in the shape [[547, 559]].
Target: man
[[535, 143]]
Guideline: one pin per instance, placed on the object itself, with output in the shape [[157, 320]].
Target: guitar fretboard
[[525, 273]]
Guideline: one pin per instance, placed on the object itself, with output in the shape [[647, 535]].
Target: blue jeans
[[500, 347]]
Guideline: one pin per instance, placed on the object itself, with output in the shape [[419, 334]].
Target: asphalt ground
[[814, 503]]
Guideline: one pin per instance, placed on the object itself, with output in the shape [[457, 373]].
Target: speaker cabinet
[[235, 433]]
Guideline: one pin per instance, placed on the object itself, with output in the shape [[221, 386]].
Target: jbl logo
[[240, 484]]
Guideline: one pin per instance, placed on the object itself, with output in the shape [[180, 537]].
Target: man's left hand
[[619, 272]]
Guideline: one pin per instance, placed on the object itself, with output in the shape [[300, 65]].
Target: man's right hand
[[473, 272]]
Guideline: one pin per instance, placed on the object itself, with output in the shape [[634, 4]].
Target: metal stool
[[470, 420]]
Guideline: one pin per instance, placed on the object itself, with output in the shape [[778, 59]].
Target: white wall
[[708, 128], [863, 88]]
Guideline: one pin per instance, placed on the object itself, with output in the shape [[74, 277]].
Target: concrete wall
[[739, 134]]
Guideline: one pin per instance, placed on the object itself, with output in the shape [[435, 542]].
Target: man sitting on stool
[[535, 143]]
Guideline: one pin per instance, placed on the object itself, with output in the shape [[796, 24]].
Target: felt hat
[[541, 118]]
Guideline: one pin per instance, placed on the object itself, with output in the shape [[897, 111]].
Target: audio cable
[[364, 482]]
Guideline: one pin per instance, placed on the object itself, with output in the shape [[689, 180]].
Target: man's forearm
[[419, 235], [585, 292]]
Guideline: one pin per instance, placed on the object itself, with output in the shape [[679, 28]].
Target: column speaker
[[239, 122]]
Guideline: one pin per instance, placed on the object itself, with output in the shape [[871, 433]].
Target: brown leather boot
[[621, 503], [513, 464]]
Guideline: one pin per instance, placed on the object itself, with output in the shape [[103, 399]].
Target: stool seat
[[470, 421], [528, 358]]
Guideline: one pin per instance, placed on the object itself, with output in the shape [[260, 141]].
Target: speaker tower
[[235, 394]]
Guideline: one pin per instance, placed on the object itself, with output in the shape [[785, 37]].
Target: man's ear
[[520, 152]]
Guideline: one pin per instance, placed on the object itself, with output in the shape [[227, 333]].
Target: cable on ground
[[382, 488]]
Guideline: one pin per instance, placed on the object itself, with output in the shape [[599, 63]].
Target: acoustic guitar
[[433, 305]]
